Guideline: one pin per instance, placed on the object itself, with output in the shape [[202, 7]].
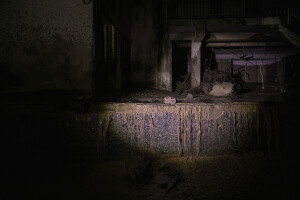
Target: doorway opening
[[181, 62]]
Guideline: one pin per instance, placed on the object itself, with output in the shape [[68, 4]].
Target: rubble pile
[[183, 84], [215, 82]]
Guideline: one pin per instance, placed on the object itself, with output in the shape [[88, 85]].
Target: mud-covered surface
[[63, 150], [244, 176]]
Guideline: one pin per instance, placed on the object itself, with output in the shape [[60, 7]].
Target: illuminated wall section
[[190, 129]]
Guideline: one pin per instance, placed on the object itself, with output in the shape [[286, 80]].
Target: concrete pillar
[[189, 63], [196, 64], [164, 78]]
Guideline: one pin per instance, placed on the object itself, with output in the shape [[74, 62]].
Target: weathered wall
[[115, 72], [144, 43], [122, 128], [191, 129], [47, 44], [150, 47]]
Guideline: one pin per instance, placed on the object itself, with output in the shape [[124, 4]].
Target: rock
[[170, 100], [222, 89], [183, 84], [189, 96]]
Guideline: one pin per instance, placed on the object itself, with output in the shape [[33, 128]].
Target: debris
[[215, 76], [183, 84], [222, 89], [167, 176], [206, 87], [138, 168], [169, 100], [189, 96]]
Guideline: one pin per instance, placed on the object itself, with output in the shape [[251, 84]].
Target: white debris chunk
[[222, 89], [169, 100], [189, 96]]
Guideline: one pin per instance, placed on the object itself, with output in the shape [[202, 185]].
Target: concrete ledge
[[182, 129], [192, 129]]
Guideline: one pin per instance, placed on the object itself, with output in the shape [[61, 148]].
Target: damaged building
[[150, 99], [191, 37]]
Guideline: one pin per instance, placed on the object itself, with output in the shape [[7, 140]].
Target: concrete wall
[[118, 128], [151, 50], [144, 45], [41, 132], [115, 73], [190, 129], [47, 44]]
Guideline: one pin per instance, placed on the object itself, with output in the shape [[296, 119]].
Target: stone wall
[[191, 129], [125, 128], [144, 44], [46, 45]]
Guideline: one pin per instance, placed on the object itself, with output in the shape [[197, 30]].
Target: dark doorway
[[181, 61]]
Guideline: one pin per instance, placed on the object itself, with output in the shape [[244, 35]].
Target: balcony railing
[[203, 9]]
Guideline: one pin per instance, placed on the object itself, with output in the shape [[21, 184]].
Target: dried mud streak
[[185, 115], [133, 118], [271, 126], [135, 126], [104, 121]]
